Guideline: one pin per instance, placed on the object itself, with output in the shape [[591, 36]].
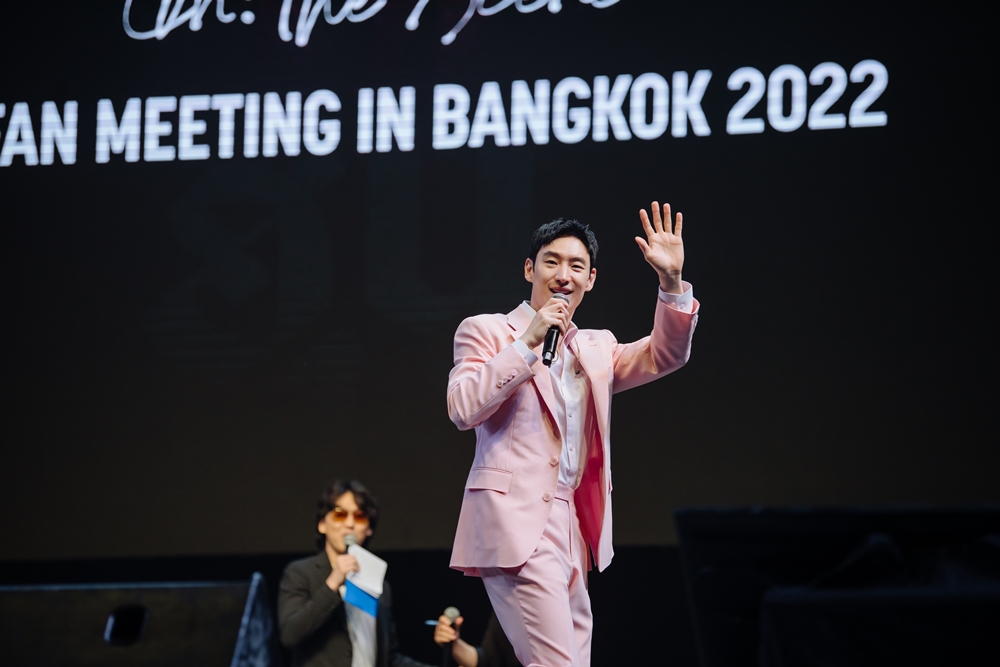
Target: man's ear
[[529, 267], [590, 282], [321, 527], [369, 532]]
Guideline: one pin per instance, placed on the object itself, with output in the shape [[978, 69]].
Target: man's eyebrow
[[554, 254]]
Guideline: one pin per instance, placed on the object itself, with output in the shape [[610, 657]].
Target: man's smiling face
[[562, 266]]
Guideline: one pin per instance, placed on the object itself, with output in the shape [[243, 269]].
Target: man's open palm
[[663, 247]]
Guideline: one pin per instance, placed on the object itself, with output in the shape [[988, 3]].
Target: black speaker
[[152, 624]]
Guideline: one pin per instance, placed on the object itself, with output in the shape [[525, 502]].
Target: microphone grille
[[350, 540], [452, 613]]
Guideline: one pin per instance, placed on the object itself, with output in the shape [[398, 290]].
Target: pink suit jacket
[[510, 489]]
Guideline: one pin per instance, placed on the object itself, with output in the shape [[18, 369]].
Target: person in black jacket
[[313, 620]]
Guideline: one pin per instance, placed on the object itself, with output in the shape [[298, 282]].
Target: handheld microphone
[[349, 541], [451, 613], [551, 338]]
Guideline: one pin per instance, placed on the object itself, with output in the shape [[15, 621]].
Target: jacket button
[[554, 461], [500, 384], [547, 497]]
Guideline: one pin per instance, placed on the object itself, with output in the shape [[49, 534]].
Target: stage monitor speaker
[[776, 587], [227, 624]]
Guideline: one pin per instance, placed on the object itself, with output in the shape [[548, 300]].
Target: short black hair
[[559, 228], [328, 500]]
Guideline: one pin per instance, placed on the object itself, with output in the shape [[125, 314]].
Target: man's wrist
[[529, 357], [526, 339], [335, 580], [671, 283], [464, 653]]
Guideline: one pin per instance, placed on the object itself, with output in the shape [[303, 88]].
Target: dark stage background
[[194, 347]]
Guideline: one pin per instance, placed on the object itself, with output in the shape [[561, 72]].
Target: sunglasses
[[340, 515]]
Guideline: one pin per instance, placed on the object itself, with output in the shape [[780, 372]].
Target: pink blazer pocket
[[492, 479]]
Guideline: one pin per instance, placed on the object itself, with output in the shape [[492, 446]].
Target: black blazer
[[313, 624]]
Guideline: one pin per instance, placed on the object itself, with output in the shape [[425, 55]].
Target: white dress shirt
[[572, 389], [361, 630]]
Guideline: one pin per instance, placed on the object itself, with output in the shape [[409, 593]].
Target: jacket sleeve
[[665, 350], [302, 608], [487, 371]]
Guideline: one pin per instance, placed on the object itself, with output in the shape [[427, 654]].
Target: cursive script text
[[172, 14]]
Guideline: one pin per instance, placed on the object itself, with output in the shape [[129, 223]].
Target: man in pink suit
[[538, 498]]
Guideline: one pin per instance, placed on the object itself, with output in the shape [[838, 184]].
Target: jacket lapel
[[592, 362], [518, 319]]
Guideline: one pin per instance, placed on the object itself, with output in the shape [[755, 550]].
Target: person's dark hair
[[328, 500], [559, 228]]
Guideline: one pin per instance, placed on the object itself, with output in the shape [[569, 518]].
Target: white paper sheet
[[371, 570]]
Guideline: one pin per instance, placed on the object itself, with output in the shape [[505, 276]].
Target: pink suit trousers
[[543, 606]]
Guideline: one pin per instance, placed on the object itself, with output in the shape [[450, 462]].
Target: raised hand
[[663, 247]]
